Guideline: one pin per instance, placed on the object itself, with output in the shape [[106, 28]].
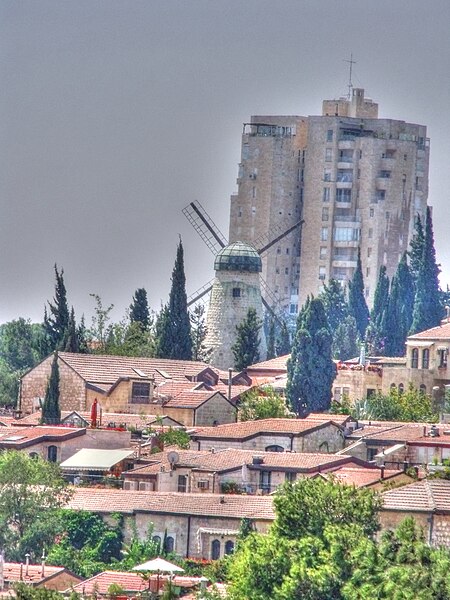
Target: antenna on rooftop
[[351, 62]]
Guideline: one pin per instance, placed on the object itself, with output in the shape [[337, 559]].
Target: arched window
[[34, 455], [274, 448], [229, 547], [425, 358], [52, 453], [415, 358], [423, 389], [393, 386], [215, 550], [169, 544], [157, 540], [401, 388]]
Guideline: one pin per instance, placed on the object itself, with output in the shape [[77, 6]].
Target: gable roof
[[423, 496], [31, 574], [275, 364], [129, 582], [441, 332], [21, 437]]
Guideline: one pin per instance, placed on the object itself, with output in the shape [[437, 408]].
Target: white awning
[[419, 344]]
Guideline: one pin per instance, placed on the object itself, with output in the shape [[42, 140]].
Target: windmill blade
[[263, 243], [205, 227], [270, 301], [200, 293]]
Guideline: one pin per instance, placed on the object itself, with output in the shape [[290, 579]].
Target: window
[[245, 151], [380, 195], [324, 234], [330, 135], [328, 154], [369, 252], [169, 544], [290, 477], [325, 213], [34, 455], [370, 234], [425, 358], [286, 270], [370, 392], [278, 250], [323, 252], [367, 271], [326, 194], [52, 453], [229, 547], [253, 192], [344, 176], [140, 393], [423, 388], [322, 273], [371, 453], [182, 483], [371, 212], [401, 388], [277, 270], [293, 309], [384, 174], [442, 353], [274, 448], [343, 195], [236, 292], [157, 540], [414, 359], [215, 550], [393, 386], [346, 234], [203, 484], [346, 156], [327, 174], [265, 481]]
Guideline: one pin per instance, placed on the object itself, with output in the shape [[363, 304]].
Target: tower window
[[236, 292]]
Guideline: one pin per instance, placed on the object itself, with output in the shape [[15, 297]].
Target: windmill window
[[236, 292]]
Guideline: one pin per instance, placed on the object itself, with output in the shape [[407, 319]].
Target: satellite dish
[[173, 457]]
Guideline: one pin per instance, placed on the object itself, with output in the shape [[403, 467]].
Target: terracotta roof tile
[[441, 332], [130, 420], [246, 429], [362, 477], [20, 436], [12, 574], [426, 495], [129, 582], [275, 364]]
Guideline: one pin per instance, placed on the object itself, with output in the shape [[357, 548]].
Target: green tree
[[17, 341], [100, 328], [334, 303], [271, 339], [56, 324], [416, 247], [262, 404], [31, 492], [356, 300], [199, 330], [283, 343], [246, 347], [139, 310], [376, 330], [83, 337], [51, 411], [174, 330], [409, 405], [72, 339], [310, 369], [399, 310], [24, 591], [427, 311], [346, 343]]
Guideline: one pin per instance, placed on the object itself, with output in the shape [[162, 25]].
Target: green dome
[[238, 257]]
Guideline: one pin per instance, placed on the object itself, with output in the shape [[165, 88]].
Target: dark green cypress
[[375, 332], [399, 310], [416, 248], [56, 323], [271, 339], [334, 303], [174, 329], [72, 339], [356, 300], [428, 310], [51, 412], [139, 311], [283, 343], [246, 347], [310, 369]]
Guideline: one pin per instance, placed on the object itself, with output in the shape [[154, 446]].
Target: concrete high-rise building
[[355, 179]]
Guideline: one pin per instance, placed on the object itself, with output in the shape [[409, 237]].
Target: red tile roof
[[24, 436], [248, 429], [275, 364], [212, 505], [362, 476], [441, 332], [11, 572], [129, 582], [130, 420], [424, 496]]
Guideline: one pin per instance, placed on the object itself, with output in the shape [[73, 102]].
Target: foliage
[[31, 491], [283, 343], [51, 411], [427, 311], [72, 340], [271, 339], [137, 551], [334, 304], [175, 437], [262, 404], [399, 310], [17, 342], [376, 330], [57, 323], [9, 385], [416, 247], [139, 310], [410, 405], [24, 591], [246, 347], [198, 330], [356, 300], [100, 319], [310, 369], [346, 340], [174, 330]]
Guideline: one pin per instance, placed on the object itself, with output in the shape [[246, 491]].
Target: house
[[272, 435], [57, 444], [191, 525], [93, 465], [187, 391], [38, 576], [231, 470], [428, 501]]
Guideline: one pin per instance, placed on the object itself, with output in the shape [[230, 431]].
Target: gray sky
[[116, 114]]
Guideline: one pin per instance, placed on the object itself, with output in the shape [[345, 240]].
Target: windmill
[[237, 285]]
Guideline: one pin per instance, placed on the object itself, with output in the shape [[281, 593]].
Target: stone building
[[356, 180]]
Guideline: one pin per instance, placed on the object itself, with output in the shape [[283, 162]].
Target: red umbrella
[[94, 413]]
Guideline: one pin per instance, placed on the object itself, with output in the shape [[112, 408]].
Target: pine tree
[[51, 412], [271, 339], [356, 300], [375, 332], [246, 347], [334, 303], [72, 339], [416, 248], [56, 324], [427, 306], [399, 310], [174, 334], [198, 329], [283, 343], [139, 311], [310, 369]]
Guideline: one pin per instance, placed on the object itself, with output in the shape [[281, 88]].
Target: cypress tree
[[139, 311], [356, 300], [334, 303], [399, 310], [375, 333], [246, 347], [51, 412], [310, 369], [283, 343], [174, 331], [72, 340], [346, 343], [57, 322], [416, 248], [271, 339], [427, 306], [83, 344]]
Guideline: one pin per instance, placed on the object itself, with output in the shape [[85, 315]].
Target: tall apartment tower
[[357, 181]]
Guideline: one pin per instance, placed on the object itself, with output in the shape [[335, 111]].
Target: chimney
[[43, 564], [27, 563], [382, 472], [21, 572]]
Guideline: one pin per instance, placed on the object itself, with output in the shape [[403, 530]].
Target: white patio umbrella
[[159, 564]]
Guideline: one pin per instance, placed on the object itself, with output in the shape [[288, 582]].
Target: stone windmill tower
[[236, 287]]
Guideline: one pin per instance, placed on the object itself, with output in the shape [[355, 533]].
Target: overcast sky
[[116, 114]]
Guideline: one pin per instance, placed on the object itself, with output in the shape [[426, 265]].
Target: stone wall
[[215, 411]]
